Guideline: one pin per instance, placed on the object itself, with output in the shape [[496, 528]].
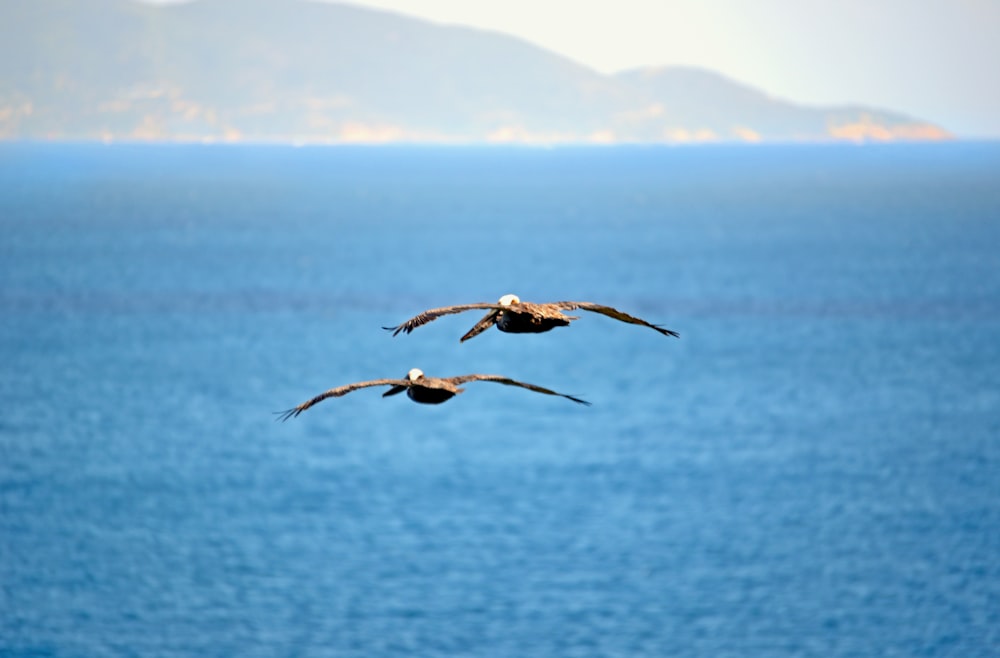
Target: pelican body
[[422, 389], [426, 390], [513, 316]]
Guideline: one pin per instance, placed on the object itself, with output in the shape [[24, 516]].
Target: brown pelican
[[513, 316], [420, 388]]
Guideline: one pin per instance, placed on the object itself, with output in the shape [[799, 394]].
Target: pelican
[[420, 388], [513, 316]]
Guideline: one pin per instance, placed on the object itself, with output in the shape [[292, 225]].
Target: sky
[[936, 60]]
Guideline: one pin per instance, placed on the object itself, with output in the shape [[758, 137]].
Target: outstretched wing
[[434, 314], [336, 393], [512, 382], [613, 313]]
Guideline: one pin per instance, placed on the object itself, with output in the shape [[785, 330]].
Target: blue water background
[[812, 469]]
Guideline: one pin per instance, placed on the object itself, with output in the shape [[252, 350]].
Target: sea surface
[[812, 469]]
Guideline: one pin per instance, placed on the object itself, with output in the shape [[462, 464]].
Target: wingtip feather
[[286, 414]]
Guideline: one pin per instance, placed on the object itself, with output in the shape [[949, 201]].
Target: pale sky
[[937, 60]]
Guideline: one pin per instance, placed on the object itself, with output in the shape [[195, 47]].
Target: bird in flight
[[420, 388], [511, 315]]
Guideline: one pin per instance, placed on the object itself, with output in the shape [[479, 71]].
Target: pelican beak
[[393, 391]]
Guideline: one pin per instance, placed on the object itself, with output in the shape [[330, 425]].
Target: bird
[[511, 315], [422, 389]]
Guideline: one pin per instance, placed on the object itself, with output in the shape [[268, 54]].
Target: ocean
[[811, 469]]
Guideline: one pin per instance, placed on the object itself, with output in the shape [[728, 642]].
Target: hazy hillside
[[281, 70]]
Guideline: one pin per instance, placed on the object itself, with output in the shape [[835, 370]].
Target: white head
[[414, 374], [507, 300]]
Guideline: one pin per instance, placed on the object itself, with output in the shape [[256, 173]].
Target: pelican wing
[[434, 314], [512, 382], [337, 392], [613, 313]]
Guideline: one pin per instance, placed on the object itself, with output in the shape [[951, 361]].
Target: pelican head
[[414, 374], [507, 300]]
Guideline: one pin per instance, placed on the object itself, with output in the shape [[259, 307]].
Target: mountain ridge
[[311, 72]]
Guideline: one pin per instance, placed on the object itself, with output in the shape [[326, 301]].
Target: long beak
[[394, 390], [488, 321]]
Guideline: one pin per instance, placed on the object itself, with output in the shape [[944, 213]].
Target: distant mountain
[[301, 71]]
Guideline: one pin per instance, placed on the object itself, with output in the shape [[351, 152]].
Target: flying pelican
[[513, 316], [420, 388]]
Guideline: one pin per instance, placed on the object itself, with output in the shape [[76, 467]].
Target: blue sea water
[[812, 469]]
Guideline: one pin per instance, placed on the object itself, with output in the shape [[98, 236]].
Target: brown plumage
[[423, 389], [511, 315]]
